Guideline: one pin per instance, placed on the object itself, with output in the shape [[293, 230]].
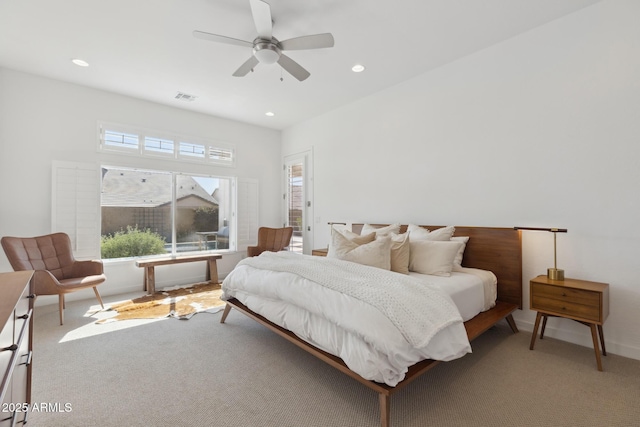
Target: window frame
[[232, 224], [141, 150]]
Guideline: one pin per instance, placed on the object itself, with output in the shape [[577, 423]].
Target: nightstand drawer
[[566, 308], [579, 296]]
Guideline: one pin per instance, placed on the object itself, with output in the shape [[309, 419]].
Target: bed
[[496, 250]]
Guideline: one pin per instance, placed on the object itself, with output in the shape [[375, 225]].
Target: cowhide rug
[[181, 303]]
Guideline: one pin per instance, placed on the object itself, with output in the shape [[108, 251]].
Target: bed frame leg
[[385, 410], [225, 313], [512, 324]]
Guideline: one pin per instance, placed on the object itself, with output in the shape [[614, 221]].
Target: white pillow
[[419, 233], [380, 231], [338, 239], [416, 232], [400, 253], [375, 254], [457, 262], [433, 257]]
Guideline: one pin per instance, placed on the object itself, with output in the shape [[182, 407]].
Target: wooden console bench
[[151, 263]]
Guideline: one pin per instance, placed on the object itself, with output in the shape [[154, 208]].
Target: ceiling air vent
[[185, 97]]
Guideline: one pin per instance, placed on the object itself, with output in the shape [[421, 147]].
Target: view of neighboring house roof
[[132, 188]]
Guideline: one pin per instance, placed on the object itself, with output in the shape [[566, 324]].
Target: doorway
[[297, 200]]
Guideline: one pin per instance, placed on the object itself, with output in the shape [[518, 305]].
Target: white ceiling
[[145, 48]]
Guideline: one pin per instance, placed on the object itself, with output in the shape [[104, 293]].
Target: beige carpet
[[181, 303], [239, 374]]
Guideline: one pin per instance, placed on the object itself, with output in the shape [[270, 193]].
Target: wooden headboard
[[489, 248]]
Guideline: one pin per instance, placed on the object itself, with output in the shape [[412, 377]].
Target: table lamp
[[552, 273], [331, 224]]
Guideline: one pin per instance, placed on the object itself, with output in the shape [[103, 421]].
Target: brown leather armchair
[[271, 239], [56, 270]]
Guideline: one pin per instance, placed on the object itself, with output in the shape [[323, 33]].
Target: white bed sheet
[[472, 290]]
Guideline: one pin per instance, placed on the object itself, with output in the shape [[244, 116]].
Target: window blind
[[75, 198]]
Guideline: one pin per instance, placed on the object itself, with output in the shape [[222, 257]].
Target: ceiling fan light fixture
[[266, 53]]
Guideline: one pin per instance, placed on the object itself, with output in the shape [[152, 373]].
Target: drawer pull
[[12, 347], [29, 356]]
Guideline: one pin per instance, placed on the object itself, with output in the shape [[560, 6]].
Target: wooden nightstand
[[319, 252], [580, 300]]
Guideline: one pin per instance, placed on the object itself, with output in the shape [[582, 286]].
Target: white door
[[298, 203]]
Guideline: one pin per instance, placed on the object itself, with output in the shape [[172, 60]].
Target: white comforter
[[378, 322]]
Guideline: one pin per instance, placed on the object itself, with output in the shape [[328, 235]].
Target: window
[[158, 146], [144, 142], [146, 212], [188, 149], [295, 204], [83, 209], [120, 141], [152, 211]]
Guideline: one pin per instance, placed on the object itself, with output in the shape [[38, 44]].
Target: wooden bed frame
[[494, 249]]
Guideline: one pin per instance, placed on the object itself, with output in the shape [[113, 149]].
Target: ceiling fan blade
[[248, 65], [293, 68], [221, 39], [317, 41], [261, 12]]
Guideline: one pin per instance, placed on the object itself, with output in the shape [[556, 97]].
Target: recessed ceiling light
[[357, 68], [80, 62], [269, 113]]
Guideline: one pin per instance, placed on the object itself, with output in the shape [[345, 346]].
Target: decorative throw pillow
[[400, 253], [457, 262], [441, 234], [433, 257], [380, 231], [375, 254], [338, 239]]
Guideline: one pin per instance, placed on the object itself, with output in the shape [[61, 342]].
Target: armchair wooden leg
[[61, 307], [95, 289]]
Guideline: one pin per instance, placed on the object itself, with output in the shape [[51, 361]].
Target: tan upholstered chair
[[271, 239], [56, 270]]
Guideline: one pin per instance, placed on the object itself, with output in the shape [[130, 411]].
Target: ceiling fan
[[266, 48]]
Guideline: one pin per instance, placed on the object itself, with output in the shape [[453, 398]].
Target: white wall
[[541, 130], [43, 120]]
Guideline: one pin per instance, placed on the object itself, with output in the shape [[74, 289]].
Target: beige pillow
[[420, 233], [380, 231], [458, 259], [375, 254], [400, 253], [433, 257], [338, 238]]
